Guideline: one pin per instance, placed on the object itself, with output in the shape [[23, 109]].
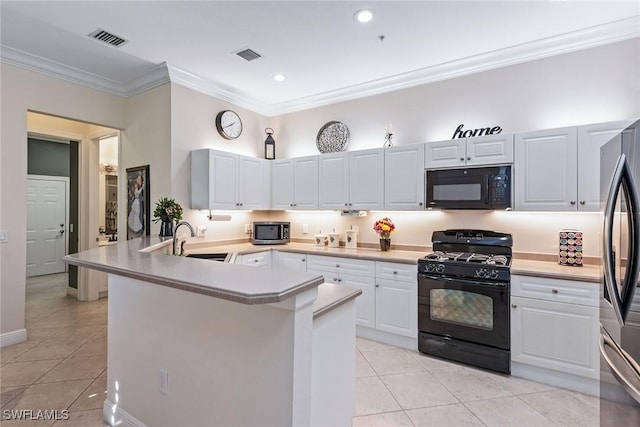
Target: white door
[[404, 178], [282, 184], [366, 179], [334, 181], [46, 225], [224, 180], [445, 154], [253, 183], [490, 149], [397, 307], [305, 184]]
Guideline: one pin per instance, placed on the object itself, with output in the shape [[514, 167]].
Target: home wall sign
[[460, 133]]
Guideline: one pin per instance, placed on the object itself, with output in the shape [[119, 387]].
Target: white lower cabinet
[[389, 300], [558, 328], [259, 259], [291, 261]]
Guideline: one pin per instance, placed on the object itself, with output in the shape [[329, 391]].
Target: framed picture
[[138, 210]]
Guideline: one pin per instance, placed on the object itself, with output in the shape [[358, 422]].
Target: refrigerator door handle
[[621, 300], [624, 368]]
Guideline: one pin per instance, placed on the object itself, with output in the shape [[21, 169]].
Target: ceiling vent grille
[[248, 54], [107, 37]]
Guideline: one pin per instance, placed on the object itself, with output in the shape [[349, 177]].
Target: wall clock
[[332, 137], [228, 124]]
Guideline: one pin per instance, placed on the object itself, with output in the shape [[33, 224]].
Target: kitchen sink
[[220, 257]]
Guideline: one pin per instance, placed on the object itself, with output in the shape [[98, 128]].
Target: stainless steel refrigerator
[[619, 298]]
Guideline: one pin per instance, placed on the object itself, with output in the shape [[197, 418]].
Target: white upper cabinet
[[546, 170], [294, 183], [590, 139], [482, 150], [227, 181], [353, 180], [404, 178], [366, 179], [559, 169]]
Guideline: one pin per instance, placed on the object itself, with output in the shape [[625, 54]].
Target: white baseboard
[[556, 378], [13, 337], [72, 292], [119, 416], [387, 338]]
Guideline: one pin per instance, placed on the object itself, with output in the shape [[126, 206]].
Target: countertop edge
[[238, 297], [325, 303]]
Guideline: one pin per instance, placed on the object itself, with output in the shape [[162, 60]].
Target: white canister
[[334, 240], [321, 239], [352, 239]]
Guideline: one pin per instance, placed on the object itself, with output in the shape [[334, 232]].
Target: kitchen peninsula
[[194, 342]]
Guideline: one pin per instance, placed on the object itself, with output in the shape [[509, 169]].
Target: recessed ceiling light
[[363, 15], [278, 77]]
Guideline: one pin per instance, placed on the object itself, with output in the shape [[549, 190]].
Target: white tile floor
[[63, 366]]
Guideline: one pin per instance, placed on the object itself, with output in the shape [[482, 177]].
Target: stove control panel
[[485, 273]]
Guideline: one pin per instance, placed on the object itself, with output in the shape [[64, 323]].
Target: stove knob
[[481, 272], [440, 268], [494, 274], [430, 268]]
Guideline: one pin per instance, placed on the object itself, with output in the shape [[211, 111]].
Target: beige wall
[[146, 140], [22, 91], [589, 86]]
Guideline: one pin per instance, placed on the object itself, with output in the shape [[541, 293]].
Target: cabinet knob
[[514, 306], [339, 280], [346, 204], [291, 204], [303, 259], [582, 202], [462, 159], [377, 286], [468, 158], [395, 272], [573, 202], [350, 204], [420, 204], [256, 260], [554, 291], [337, 265], [241, 204]]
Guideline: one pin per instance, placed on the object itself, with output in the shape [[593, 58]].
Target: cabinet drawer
[[569, 291], [341, 265], [260, 259], [396, 271]]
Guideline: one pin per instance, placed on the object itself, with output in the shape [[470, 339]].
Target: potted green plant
[[167, 211]]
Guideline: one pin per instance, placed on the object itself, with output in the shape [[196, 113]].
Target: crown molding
[[157, 76], [613, 32]]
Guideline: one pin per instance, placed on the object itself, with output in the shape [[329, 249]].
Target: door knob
[[514, 306]]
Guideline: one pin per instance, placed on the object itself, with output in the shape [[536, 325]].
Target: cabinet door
[[366, 179], [213, 179], [397, 306], [334, 181], [445, 154], [590, 139], [259, 259], [305, 183], [546, 170], [223, 182], [490, 150], [282, 184], [253, 183], [365, 303], [404, 178], [556, 336], [292, 261]]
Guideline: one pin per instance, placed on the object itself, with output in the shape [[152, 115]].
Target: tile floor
[[63, 366]]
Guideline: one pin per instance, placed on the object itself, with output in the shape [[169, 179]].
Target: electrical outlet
[[305, 228], [355, 228], [200, 230], [164, 381], [4, 236], [247, 229]]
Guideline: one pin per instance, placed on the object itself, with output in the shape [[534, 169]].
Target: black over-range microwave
[[469, 188]]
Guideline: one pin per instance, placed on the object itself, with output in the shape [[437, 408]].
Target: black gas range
[[463, 298]]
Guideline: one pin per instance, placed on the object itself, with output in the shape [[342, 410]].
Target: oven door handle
[[495, 285]]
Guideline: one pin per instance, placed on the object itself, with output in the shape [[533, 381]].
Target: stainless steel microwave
[[469, 188], [271, 233]]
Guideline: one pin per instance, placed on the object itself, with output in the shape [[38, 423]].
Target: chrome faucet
[[175, 235]]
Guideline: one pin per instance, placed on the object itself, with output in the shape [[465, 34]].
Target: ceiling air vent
[[248, 54], [107, 37]]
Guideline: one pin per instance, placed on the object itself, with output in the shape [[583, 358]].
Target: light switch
[[305, 228], [4, 236]]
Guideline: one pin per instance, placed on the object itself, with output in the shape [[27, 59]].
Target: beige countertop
[[520, 265], [331, 296], [238, 283]]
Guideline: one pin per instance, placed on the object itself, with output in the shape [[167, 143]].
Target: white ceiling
[[325, 54]]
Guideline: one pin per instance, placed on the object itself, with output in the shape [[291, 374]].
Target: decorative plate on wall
[[332, 137]]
